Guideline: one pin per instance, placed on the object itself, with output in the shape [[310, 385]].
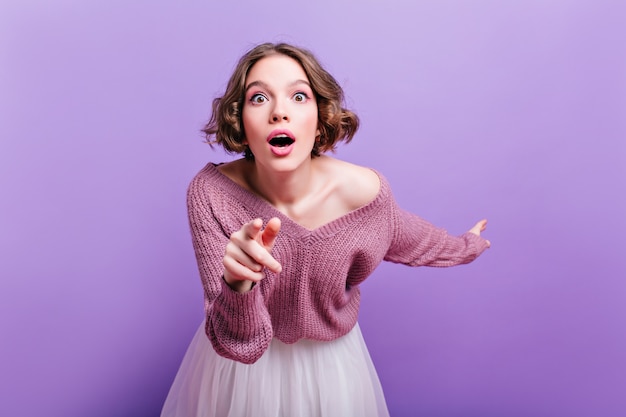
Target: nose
[[276, 117], [279, 114]]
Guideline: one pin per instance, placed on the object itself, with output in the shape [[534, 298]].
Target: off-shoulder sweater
[[316, 295]]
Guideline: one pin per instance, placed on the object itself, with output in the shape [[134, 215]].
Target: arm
[[237, 323], [417, 242]]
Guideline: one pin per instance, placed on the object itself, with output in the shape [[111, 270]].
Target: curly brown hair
[[335, 124]]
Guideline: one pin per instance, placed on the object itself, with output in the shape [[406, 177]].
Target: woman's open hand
[[480, 227], [248, 252]]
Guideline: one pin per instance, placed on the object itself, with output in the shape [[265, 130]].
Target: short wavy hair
[[335, 123]]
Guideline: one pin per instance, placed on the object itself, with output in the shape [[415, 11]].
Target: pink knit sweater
[[316, 296]]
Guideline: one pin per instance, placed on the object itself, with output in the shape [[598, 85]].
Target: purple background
[[510, 110]]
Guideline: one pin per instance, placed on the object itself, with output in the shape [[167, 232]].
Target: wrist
[[239, 286]]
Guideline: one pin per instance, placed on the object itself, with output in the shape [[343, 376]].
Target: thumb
[[269, 234], [479, 227], [252, 228]]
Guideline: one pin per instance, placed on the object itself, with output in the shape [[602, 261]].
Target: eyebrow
[[265, 86]]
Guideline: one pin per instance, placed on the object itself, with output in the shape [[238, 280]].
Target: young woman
[[283, 238]]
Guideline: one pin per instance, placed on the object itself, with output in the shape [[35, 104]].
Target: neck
[[282, 189]]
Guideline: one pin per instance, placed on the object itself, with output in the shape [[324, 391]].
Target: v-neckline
[[289, 225]]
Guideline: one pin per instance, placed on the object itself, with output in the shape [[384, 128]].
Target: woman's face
[[279, 113]]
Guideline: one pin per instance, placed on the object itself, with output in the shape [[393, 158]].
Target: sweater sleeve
[[417, 242], [238, 325]]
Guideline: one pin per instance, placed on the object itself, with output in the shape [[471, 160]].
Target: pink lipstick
[[281, 142]]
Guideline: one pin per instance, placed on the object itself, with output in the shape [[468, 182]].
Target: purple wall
[[514, 111]]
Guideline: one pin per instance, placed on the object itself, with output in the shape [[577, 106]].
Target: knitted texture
[[316, 295]]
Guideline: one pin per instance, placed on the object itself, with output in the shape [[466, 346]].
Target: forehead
[[276, 69]]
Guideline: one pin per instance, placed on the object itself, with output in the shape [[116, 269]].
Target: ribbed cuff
[[480, 244]]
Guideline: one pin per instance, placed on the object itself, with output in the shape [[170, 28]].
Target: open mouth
[[281, 141]]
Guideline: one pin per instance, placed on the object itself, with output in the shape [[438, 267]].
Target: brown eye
[[300, 97], [258, 99]]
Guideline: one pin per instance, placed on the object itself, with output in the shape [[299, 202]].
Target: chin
[[286, 164]]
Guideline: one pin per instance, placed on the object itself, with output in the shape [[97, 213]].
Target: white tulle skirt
[[307, 378]]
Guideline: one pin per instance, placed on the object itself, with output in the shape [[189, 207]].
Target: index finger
[[268, 237]]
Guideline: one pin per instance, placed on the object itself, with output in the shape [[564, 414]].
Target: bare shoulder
[[356, 184], [235, 170]]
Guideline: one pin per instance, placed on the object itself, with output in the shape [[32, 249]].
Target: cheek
[[254, 122], [248, 123], [313, 118]]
